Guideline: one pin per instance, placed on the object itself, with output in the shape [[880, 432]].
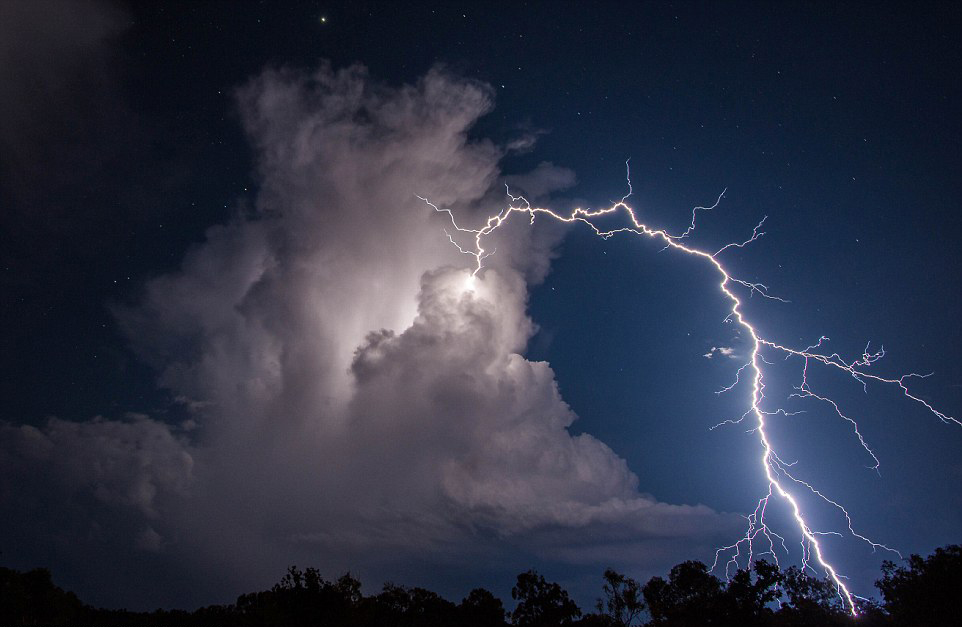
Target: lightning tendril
[[777, 472]]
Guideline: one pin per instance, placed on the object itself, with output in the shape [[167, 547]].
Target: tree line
[[918, 592]]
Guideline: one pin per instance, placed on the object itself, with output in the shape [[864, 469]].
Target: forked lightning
[[777, 472]]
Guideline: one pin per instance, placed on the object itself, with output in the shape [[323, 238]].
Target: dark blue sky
[[121, 147]]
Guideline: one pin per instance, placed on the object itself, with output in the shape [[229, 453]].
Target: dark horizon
[[763, 595]]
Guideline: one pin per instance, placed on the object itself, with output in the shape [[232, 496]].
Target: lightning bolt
[[777, 472]]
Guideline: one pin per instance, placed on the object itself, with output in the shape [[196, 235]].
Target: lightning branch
[[759, 538]]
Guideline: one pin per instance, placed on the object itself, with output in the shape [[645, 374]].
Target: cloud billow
[[348, 392]]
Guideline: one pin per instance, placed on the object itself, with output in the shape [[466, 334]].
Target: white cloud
[[724, 351], [347, 391]]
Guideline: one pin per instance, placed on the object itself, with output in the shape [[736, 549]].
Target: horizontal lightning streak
[[776, 471]]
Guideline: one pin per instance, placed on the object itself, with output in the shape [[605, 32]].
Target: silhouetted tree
[[917, 594], [348, 589], [924, 592], [398, 606], [541, 603], [811, 601], [394, 598], [623, 603], [870, 614], [481, 609], [31, 598], [302, 598], [691, 596], [751, 594]]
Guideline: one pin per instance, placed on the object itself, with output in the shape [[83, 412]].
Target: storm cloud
[[352, 399]]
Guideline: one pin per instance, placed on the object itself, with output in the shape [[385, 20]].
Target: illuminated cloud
[[724, 351], [134, 464], [350, 392]]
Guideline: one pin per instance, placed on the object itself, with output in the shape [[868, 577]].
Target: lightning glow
[[777, 472]]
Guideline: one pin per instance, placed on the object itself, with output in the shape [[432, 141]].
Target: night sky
[[231, 337]]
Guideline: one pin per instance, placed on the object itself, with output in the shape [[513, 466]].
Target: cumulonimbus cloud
[[349, 391]]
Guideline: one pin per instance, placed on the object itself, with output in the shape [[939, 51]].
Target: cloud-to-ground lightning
[[778, 474]]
